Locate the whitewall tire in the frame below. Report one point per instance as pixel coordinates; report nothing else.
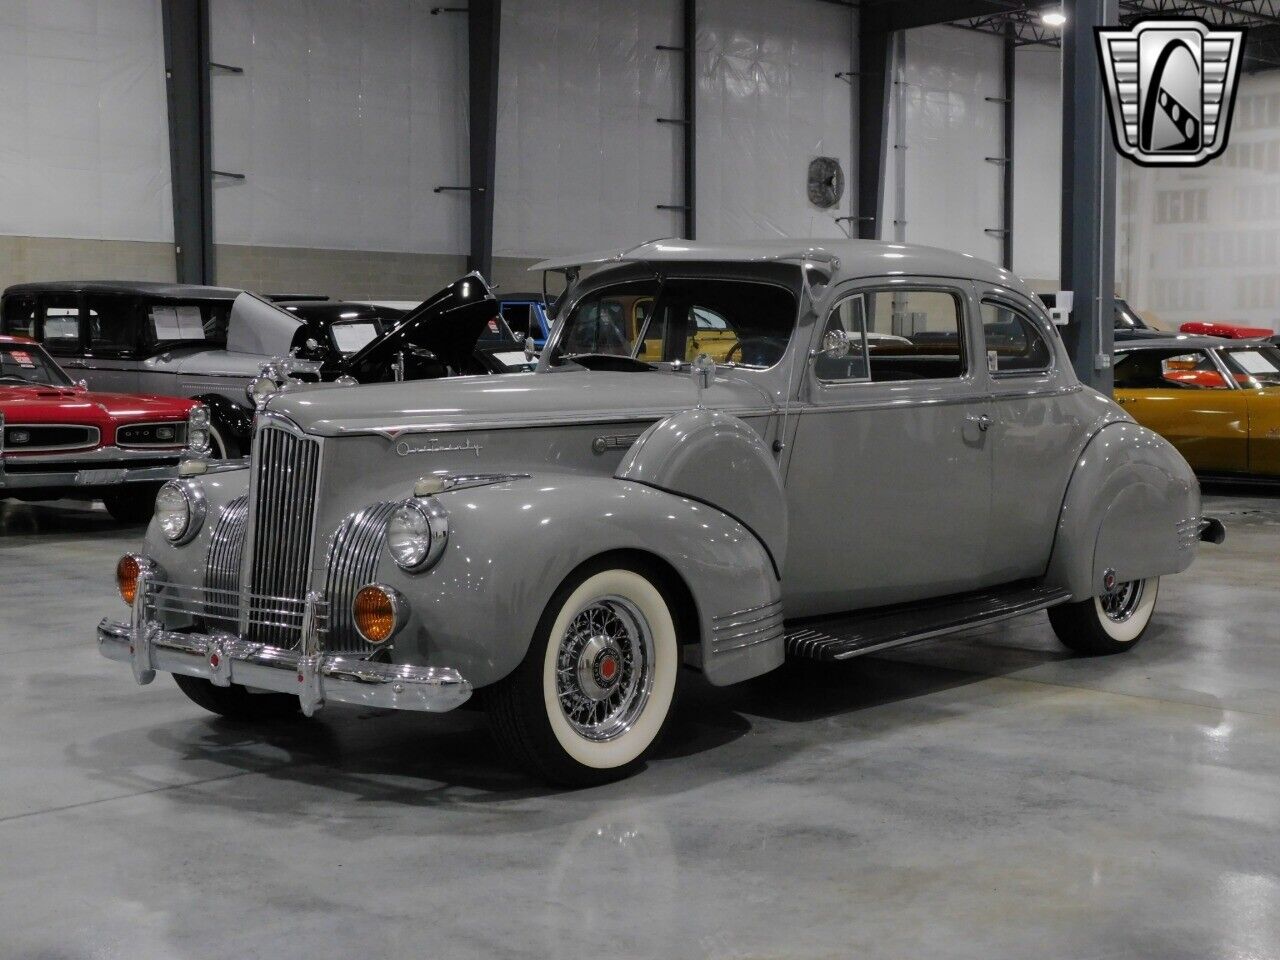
(1110, 623)
(596, 689)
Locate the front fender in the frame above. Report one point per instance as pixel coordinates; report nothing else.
(716, 458)
(1132, 506)
(511, 546)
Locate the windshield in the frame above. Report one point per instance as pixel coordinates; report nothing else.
(737, 322)
(1255, 366)
(27, 363)
(1126, 319)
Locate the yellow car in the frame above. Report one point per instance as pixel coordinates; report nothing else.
(1217, 401)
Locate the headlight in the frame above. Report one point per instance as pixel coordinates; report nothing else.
(260, 390)
(379, 612)
(198, 430)
(417, 533)
(180, 510)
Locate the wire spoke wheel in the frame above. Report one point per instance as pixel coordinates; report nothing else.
(1120, 603)
(604, 668)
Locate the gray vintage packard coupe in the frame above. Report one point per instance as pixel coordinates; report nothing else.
(727, 455)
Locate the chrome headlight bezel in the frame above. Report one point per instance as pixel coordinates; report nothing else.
(188, 518)
(417, 533)
(199, 430)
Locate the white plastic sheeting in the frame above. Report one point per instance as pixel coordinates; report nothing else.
(85, 150)
(582, 161)
(1037, 165)
(768, 103)
(345, 119)
(952, 193)
(1204, 244)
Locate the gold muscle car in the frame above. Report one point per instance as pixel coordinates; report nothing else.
(1217, 401)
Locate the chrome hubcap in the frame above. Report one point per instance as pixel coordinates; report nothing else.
(1121, 602)
(604, 668)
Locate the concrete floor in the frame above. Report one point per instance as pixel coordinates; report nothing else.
(988, 796)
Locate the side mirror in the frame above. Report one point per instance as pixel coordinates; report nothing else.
(530, 349)
(82, 386)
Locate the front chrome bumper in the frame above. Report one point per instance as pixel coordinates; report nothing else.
(307, 672)
(101, 467)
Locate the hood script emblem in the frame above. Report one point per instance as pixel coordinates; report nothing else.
(407, 448)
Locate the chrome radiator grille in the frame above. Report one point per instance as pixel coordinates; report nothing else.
(287, 468)
(222, 568)
(352, 563)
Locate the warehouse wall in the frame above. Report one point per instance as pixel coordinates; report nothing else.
(1205, 243)
(84, 159)
(951, 193)
(346, 118)
(768, 103)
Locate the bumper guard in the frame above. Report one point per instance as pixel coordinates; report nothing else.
(308, 673)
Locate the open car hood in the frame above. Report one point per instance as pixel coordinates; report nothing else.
(448, 324)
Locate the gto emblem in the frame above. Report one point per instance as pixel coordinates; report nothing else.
(407, 447)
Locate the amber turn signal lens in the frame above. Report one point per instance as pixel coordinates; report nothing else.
(376, 613)
(127, 578)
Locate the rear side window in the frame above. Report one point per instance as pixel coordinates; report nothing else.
(113, 324)
(1168, 370)
(1015, 345)
(915, 334)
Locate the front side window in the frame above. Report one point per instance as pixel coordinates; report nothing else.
(737, 322)
(915, 334)
(1014, 342)
(60, 322)
(1168, 370)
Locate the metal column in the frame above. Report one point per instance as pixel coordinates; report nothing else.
(186, 66)
(874, 87)
(689, 91)
(1088, 195)
(484, 19)
(1010, 75)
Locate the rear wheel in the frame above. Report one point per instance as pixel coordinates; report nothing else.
(595, 690)
(1110, 623)
(235, 702)
(134, 504)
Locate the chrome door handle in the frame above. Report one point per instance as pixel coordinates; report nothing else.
(981, 419)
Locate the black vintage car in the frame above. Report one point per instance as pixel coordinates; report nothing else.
(210, 343)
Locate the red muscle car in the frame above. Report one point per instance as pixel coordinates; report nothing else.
(57, 439)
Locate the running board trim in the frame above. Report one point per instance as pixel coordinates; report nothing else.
(857, 634)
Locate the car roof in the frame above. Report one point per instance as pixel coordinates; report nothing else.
(127, 287)
(847, 258)
(1173, 341)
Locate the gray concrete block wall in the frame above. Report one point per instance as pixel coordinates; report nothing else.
(351, 274)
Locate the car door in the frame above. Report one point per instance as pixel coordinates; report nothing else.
(1037, 431)
(1255, 368)
(1181, 393)
(889, 478)
(113, 332)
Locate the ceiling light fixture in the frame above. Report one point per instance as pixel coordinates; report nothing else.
(1053, 18)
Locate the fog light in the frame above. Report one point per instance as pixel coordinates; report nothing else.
(379, 612)
(127, 571)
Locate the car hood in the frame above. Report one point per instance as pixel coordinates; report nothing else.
(512, 400)
(38, 404)
(448, 324)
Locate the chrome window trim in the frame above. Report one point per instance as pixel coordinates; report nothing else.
(1010, 304)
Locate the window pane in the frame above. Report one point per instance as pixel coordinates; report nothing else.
(1167, 370)
(609, 321)
(113, 324)
(517, 317)
(847, 317)
(61, 317)
(1014, 344)
(914, 335)
(20, 316)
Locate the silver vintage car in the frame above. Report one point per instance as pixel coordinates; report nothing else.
(728, 455)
